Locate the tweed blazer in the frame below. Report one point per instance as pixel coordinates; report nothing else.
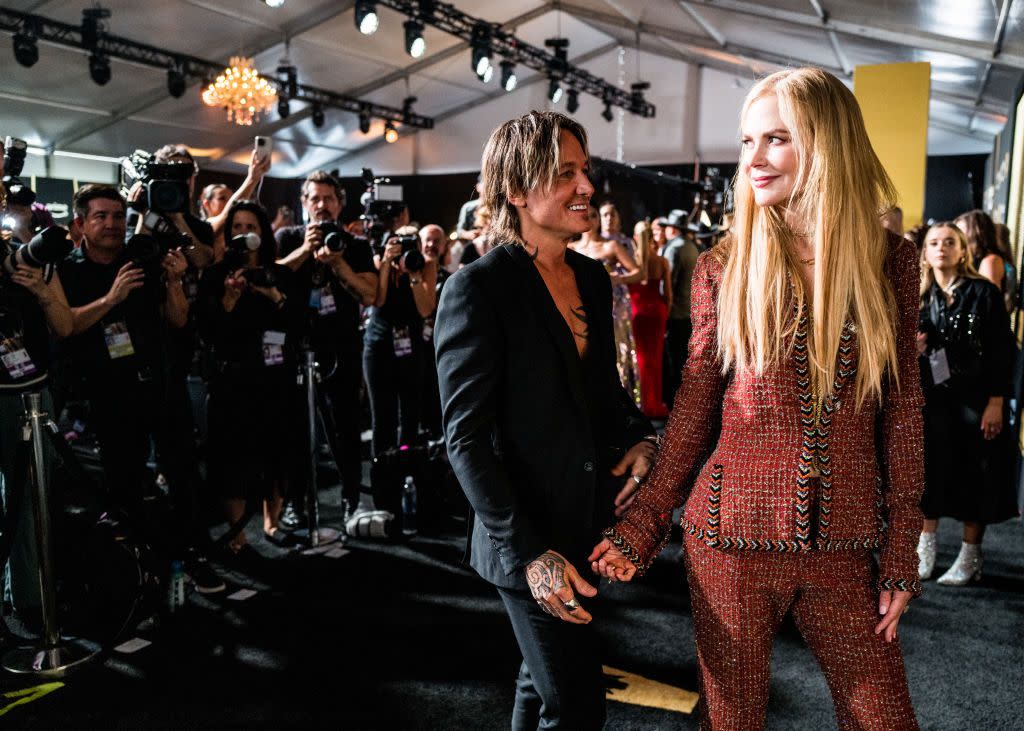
(756, 491)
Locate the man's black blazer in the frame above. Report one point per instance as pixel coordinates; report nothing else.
(531, 437)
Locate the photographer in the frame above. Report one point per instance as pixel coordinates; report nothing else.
(434, 245)
(251, 327)
(32, 309)
(332, 284)
(218, 198)
(394, 345)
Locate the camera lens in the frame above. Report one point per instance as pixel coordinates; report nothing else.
(413, 261)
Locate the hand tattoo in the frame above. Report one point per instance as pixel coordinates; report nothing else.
(580, 313)
(546, 575)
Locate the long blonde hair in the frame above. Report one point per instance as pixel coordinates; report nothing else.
(840, 192)
(643, 236)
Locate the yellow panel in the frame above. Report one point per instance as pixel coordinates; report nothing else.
(894, 100)
(1015, 215)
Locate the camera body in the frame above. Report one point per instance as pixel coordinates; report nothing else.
(166, 185)
(45, 250)
(411, 257)
(382, 203)
(335, 238)
(238, 247)
(18, 193)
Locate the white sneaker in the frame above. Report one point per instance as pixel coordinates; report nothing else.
(926, 548)
(966, 568)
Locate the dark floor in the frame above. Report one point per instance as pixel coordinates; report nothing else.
(400, 636)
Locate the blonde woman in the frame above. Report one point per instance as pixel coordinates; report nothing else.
(967, 357)
(804, 325)
(651, 299)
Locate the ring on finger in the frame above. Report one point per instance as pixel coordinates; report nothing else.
(571, 606)
(637, 479)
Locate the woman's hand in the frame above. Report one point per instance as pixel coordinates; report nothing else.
(922, 343)
(391, 252)
(992, 418)
(235, 284)
(891, 605)
(175, 265)
(608, 561)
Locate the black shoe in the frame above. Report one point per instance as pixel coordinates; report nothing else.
(202, 575)
(291, 518)
(280, 539)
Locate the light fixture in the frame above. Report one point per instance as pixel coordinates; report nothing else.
(407, 108)
(318, 115)
(607, 113)
(274, 3)
(481, 43)
(99, 67)
(508, 75)
(283, 107)
(414, 43)
(487, 75)
(242, 92)
(554, 91)
(26, 44)
(176, 80)
(390, 133)
(364, 122)
(366, 17)
(572, 104)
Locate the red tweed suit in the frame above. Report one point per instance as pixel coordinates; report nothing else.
(784, 512)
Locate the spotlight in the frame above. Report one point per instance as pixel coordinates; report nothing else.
(366, 17)
(26, 45)
(390, 133)
(274, 3)
(481, 59)
(607, 113)
(414, 43)
(554, 91)
(488, 75)
(283, 108)
(364, 122)
(99, 68)
(176, 80)
(288, 78)
(508, 75)
(318, 114)
(573, 102)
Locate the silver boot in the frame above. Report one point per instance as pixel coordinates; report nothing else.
(966, 568)
(926, 547)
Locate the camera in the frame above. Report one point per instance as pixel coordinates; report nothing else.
(260, 277)
(336, 239)
(382, 203)
(235, 257)
(166, 185)
(411, 258)
(149, 249)
(46, 248)
(18, 193)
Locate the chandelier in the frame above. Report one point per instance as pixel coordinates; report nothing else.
(242, 92)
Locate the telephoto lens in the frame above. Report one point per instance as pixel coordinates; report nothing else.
(335, 239)
(48, 246)
(412, 259)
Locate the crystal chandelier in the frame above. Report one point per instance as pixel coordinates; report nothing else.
(241, 91)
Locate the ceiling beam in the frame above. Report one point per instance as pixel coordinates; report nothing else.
(307, 21)
(833, 39)
(956, 129)
(904, 37)
(716, 35)
(268, 130)
(474, 104)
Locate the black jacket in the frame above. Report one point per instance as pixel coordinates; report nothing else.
(532, 429)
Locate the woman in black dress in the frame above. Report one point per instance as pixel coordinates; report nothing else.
(966, 359)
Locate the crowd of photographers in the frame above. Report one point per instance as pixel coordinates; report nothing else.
(118, 311)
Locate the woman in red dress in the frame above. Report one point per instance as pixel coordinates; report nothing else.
(651, 299)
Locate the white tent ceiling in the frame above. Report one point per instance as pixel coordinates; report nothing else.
(700, 56)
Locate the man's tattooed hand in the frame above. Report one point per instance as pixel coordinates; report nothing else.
(552, 580)
(546, 575)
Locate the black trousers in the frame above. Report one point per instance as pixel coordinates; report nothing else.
(395, 386)
(342, 389)
(677, 341)
(561, 682)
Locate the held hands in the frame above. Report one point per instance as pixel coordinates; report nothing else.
(129, 277)
(891, 605)
(636, 463)
(552, 579)
(608, 561)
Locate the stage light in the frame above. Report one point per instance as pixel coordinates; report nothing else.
(572, 104)
(508, 75)
(607, 113)
(364, 122)
(176, 80)
(26, 46)
(390, 133)
(481, 59)
(554, 91)
(274, 3)
(283, 108)
(414, 43)
(366, 17)
(99, 68)
(318, 115)
(488, 75)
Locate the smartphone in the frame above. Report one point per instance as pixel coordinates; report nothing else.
(264, 146)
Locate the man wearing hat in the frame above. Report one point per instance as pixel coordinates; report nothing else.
(682, 258)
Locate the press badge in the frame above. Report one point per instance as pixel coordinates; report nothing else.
(428, 332)
(940, 366)
(119, 342)
(273, 347)
(15, 358)
(322, 300)
(403, 342)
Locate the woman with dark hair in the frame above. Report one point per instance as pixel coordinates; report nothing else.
(251, 327)
(966, 352)
(986, 258)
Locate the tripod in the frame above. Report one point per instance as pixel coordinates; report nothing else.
(52, 655)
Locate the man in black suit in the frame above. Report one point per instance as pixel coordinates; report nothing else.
(540, 432)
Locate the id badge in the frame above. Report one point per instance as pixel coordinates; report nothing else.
(428, 332)
(273, 347)
(119, 341)
(322, 300)
(403, 342)
(15, 358)
(940, 366)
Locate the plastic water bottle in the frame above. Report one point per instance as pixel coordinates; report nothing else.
(409, 507)
(176, 587)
